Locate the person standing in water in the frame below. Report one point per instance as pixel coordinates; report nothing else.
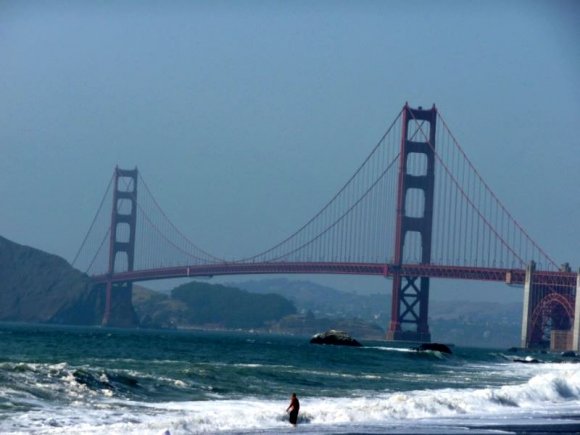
(293, 408)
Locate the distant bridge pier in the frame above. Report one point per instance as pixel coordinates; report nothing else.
(576, 330)
(410, 295)
(118, 309)
(527, 305)
(551, 312)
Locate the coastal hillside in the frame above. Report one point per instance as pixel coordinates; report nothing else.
(39, 287)
(324, 301)
(198, 304)
(214, 306)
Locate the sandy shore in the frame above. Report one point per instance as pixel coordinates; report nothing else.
(572, 427)
(557, 428)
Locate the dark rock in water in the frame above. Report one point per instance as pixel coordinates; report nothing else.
(339, 338)
(439, 347)
(569, 353)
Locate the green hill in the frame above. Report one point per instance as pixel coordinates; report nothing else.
(206, 305)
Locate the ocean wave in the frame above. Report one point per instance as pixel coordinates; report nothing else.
(552, 391)
(36, 385)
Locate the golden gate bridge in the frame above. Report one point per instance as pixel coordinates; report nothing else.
(415, 209)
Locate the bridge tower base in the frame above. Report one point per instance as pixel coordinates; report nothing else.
(118, 309)
(410, 298)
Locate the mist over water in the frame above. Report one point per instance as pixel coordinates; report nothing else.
(92, 380)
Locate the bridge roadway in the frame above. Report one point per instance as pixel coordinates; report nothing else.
(509, 276)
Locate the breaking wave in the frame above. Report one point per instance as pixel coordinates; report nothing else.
(92, 407)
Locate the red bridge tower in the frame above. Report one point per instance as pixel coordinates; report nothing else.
(118, 297)
(410, 299)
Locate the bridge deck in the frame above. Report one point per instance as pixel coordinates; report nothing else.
(509, 276)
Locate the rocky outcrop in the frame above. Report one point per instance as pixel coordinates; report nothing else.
(334, 337)
(308, 325)
(569, 354)
(438, 347)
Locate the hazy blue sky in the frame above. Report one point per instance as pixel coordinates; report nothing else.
(244, 118)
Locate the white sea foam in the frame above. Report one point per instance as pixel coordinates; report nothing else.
(554, 389)
(392, 349)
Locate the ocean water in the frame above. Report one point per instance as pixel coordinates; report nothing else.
(56, 380)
